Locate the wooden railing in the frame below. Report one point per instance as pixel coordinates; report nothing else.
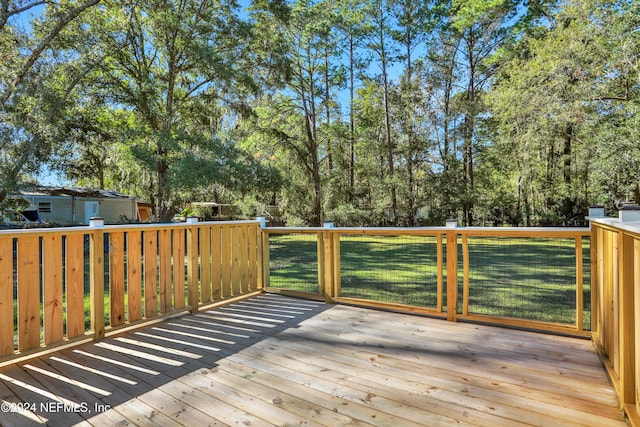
(522, 277)
(616, 307)
(63, 285)
(69, 285)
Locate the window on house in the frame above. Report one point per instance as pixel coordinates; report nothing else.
(44, 207)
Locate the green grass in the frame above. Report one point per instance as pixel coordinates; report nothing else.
(293, 262)
(524, 278)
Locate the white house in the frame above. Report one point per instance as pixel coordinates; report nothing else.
(75, 206)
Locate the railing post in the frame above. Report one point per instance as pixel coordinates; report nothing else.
(262, 243)
(96, 276)
(326, 262)
(263, 259)
(579, 286)
(452, 275)
(626, 298)
(192, 263)
(6, 296)
(323, 289)
(595, 211)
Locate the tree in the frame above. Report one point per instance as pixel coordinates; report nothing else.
(32, 90)
(414, 24)
(377, 40)
(179, 67)
(483, 28)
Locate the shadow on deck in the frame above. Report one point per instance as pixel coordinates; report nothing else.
(274, 360)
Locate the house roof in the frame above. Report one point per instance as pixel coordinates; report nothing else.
(73, 192)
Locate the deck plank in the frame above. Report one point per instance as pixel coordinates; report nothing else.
(275, 360)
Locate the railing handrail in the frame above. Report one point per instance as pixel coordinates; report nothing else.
(443, 229)
(13, 232)
(631, 227)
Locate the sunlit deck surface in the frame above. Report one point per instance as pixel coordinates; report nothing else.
(274, 360)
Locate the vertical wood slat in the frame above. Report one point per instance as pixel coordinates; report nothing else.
(205, 264)
(75, 285)
(603, 289)
(216, 289)
(165, 252)
(116, 278)
(178, 268)
(253, 256)
(134, 275)
(594, 274)
(96, 280)
(150, 274)
(192, 267)
(28, 293)
(225, 260)
(452, 276)
(244, 258)
(337, 284)
(235, 261)
(615, 296)
(626, 320)
(636, 308)
(579, 285)
(52, 288)
(6, 296)
(440, 273)
(465, 274)
(263, 260)
(326, 262)
(323, 288)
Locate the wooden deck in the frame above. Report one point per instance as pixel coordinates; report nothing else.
(273, 360)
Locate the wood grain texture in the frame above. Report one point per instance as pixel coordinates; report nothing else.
(216, 289)
(6, 296)
(165, 253)
(74, 280)
(52, 288)
(28, 264)
(274, 360)
(116, 278)
(179, 268)
(150, 274)
(134, 276)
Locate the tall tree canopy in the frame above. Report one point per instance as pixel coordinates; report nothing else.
(363, 112)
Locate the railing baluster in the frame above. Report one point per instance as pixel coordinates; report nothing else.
(165, 253)
(465, 274)
(440, 273)
(178, 268)
(134, 275)
(74, 260)
(52, 288)
(205, 264)
(216, 289)
(192, 267)
(150, 273)
(6, 296)
(116, 278)
(452, 276)
(96, 277)
(579, 285)
(236, 257)
(225, 264)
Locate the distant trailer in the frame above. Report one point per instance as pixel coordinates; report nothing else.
(75, 206)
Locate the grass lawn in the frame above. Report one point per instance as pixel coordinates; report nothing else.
(528, 278)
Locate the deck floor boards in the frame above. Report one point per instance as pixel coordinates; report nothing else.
(275, 360)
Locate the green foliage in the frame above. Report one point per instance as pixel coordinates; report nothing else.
(362, 112)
